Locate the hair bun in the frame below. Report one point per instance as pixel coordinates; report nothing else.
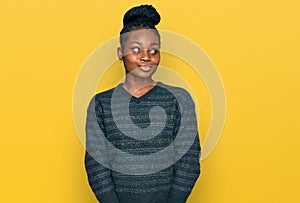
(141, 13)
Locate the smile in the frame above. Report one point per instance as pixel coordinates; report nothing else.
(145, 68)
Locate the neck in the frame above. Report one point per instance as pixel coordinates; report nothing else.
(138, 87)
(136, 84)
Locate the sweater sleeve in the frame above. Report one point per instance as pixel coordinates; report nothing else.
(99, 177)
(187, 168)
(187, 171)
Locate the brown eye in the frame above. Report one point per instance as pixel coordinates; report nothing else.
(136, 50)
(153, 51)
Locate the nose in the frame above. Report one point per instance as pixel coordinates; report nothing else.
(145, 56)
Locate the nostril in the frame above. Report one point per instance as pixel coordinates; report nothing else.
(145, 58)
(145, 55)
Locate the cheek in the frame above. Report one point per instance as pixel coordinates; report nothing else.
(156, 59)
(129, 62)
(131, 58)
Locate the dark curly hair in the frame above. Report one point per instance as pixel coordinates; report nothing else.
(140, 17)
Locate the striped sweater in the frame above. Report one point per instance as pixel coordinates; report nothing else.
(115, 177)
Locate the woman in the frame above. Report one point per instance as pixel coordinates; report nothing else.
(118, 178)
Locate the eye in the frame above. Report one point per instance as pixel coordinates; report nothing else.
(136, 50)
(153, 51)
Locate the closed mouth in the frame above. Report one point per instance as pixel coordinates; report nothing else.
(145, 67)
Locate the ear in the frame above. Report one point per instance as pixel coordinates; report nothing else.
(120, 53)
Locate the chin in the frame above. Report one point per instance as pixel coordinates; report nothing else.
(142, 76)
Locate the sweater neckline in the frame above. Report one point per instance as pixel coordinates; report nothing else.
(144, 95)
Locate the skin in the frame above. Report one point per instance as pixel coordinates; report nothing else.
(140, 55)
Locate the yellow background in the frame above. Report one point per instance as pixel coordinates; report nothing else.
(254, 44)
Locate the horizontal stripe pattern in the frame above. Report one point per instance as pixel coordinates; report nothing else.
(175, 181)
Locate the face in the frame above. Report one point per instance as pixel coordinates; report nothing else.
(140, 53)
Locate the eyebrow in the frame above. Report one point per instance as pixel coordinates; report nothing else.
(140, 43)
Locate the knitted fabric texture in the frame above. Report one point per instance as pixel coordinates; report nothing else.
(170, 185)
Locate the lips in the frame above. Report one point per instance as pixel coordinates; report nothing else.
(145, 68)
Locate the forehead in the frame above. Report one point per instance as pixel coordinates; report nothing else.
(143, 36)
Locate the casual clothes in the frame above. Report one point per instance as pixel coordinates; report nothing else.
(172, 184)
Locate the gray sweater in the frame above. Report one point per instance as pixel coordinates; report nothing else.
(113, 170)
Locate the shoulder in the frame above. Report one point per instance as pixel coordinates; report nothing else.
(101, 98)
(105, 94)
(178, 92)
